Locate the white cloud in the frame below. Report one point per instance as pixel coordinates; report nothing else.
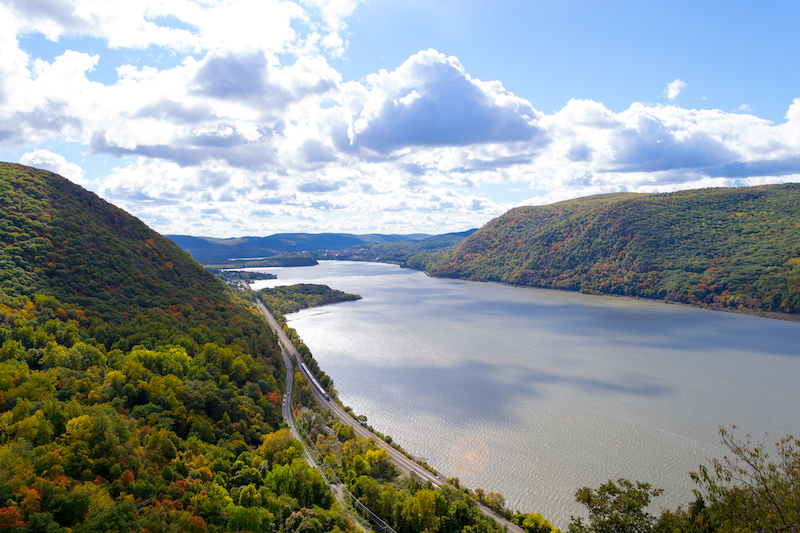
(430, 101)
(675, 88)
(333, 13)
(47, 160)
(255, 132)
(13, 61)
(121, 23)
(231, 24)
(247, 24)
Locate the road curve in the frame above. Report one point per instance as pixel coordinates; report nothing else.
(402, 462)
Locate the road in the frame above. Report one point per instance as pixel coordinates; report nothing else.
(403, 463)
(286, 409)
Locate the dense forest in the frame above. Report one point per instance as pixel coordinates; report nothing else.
(292, 298)
(62, 240)
(137, 392)
(724, 248)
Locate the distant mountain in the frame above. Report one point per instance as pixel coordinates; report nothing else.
(61, 240)
(397, 251)
(727, 248)
(210, 250)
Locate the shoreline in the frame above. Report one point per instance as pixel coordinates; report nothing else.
(772, 315)
(406, 463)
(599, 304)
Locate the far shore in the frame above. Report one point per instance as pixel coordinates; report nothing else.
(774, 315)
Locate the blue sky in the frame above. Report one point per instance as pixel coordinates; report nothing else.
(252, 117)
(613, 52)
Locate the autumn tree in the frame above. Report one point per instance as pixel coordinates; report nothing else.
(748, 489)
(615, 507)
(535, 523)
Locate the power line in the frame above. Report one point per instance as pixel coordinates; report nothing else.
(322, 466)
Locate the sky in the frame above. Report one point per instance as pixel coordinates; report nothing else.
(253, 117)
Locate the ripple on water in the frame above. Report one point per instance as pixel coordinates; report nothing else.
(566, 390)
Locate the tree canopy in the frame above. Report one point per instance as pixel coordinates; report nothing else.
(725, 248)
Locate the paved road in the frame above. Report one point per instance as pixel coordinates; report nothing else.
(286, 409)
(402, 462)
(405, 464)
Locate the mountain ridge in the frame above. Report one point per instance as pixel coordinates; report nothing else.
(213, 250)
(733, 248)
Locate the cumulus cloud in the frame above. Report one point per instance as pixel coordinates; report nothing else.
(229, 147)
(47, 160)
(757, 169)
(675, 88)
(175, 112)
(321, 186)
(579, 152)
(648, 143)
(35, 104)
(316, 152)
(232, 25)
(234, 76)
(431, 101)
(251, 130)
(37, 124)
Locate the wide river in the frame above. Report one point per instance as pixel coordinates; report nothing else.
(564, 390)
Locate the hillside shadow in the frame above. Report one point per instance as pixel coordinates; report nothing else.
(643, 323)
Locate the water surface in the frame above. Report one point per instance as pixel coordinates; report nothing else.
(565, 389)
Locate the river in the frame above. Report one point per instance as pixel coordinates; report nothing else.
(534, 393)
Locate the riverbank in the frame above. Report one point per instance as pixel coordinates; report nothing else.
(566, 391)
(775, 315)
(406, 465)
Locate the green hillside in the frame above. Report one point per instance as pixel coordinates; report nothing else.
(62, 240)
(136, 389)
(724, 248)
(138, 393)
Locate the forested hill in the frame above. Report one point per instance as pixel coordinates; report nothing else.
(61, 240)
(210, 250)
(138, 393)
(136, 390)
(396, 251)
(727, 248)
